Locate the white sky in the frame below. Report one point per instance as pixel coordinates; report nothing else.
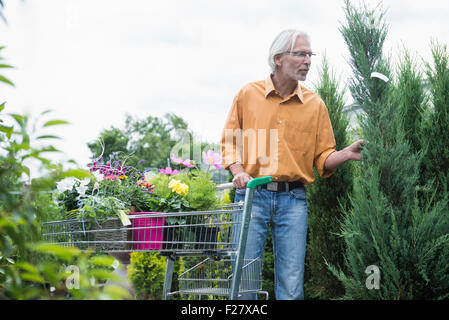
(93, 61)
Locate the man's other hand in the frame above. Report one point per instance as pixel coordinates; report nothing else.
(241, 180)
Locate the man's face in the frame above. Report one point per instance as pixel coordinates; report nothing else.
(294, 66)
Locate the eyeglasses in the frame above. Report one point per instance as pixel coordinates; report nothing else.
(301, 54)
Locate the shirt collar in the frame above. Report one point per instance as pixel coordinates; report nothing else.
(269, 87)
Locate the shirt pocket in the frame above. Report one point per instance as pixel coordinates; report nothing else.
(297, 137)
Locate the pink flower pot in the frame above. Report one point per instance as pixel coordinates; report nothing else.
(150, 232)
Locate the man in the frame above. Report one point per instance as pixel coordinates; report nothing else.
(296, 122)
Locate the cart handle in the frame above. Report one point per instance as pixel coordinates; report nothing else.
(253, 183)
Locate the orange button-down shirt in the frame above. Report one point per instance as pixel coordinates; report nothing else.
(273, 136)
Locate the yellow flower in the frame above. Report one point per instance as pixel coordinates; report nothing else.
(178, 187)
(173, 183)
(226, 197)
(182, 189)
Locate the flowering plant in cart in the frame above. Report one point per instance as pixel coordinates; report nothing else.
(111, 191)
(186, 187)
(81, 199)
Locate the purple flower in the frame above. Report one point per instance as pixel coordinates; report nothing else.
(188, 163)
(213, 158)
(176, 160)
(168, 171)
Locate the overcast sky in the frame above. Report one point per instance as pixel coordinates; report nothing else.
(93, 61)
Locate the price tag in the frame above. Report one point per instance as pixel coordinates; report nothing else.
(124, 218)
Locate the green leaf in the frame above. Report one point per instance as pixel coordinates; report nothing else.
(5, 66)
(26, 170)
(45, 112)
(48, 137)
(7, 130)
(5, 80)
(104, 274)
(77, 173)
(19, 118)
(116, 292)
(61, 252)
(48, 149)
(54, 123)
(104, 261)
(32, 277)
(27, 267)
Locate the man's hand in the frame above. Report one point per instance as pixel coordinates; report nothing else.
(354, 151)
(241, 178)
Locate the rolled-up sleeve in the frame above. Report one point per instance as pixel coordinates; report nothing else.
(325, 142)
(231, 137)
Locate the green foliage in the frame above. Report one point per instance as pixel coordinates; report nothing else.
(4, 66)
(170, 200)
(147, 272)
(89, 204)
(388, 225)
(112, 141)
(435, 165)
(364, 34)
(108, 191)
(149, 141)
(411, 99)
(29, 270)
(201, 193)
(38, 271)
(70, 274)
(326, 198)
(268, 268)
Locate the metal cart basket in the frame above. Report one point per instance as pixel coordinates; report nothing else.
(211, 277)
(218, 235)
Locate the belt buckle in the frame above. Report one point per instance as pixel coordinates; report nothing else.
(272, 186)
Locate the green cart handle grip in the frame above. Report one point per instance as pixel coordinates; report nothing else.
(253, 183)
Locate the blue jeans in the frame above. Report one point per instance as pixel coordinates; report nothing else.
(286, 212)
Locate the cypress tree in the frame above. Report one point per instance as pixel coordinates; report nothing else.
(435, 165)
(396, 246)
(327, 197)
(411, 100)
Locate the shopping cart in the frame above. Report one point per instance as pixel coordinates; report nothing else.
(217, 235)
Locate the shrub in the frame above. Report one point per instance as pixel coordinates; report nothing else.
(146, 273)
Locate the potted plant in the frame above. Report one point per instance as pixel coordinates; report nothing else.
(171, 194)
(92, 213)
(183, 190)
(95, 203)
(133, 188)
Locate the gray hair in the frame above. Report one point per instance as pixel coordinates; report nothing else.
(285, 41)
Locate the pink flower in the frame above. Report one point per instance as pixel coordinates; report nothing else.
(168, 171)
(213, 158)
(187, 163)
(176, 160)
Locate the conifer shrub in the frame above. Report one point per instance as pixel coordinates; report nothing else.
(146, 273)
(326, 198)
(396, 243)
